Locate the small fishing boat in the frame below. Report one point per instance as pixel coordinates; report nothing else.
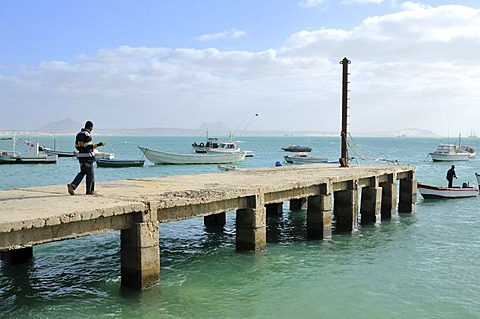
(159, 157)
(429, 192)
(33, 155)
(449, 152)
(297, 148)
(304, 158)
(119, 163)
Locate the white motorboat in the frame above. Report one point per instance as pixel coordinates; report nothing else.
(429, 192)
(159, 157)
(229, 147)
(226, 147)
(33, 156)
(449, 152)
(304, 158)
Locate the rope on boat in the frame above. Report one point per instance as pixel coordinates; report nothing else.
(355, 146)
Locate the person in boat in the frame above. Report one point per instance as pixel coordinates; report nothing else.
(451, 175)
(86, 158)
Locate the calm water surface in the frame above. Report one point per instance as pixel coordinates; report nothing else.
(423, 265)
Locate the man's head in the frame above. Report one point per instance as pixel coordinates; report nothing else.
(89, 125)
(453, 166)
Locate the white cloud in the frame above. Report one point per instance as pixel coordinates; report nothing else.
(232, 33)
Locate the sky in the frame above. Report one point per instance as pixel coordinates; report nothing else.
(181, 63)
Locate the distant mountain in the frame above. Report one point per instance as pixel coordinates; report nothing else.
(65, 126)
(218, 129)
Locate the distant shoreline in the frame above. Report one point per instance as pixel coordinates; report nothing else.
(199, 133)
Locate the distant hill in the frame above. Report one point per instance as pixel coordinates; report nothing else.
(65, 126)
(68, 126)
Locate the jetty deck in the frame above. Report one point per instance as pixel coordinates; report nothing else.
(37, 215)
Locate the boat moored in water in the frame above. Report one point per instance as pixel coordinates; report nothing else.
(33, 156)
(297, 148)
(119, 163)
(304, 158)
(430, 192)
(159, 157)
(449, 152)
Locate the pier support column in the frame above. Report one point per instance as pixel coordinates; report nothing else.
(389, 200)
(346, 210)
(275, 209)
(408, 196)
(371, 204)
(319, 217)
(140, 255)
(251, 225)
(298, 204)
(215, 220)
(17, 256)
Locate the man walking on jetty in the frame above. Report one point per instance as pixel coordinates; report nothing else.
(86, 158)
(450, 175)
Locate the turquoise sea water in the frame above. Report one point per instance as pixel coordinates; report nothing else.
(423, 265)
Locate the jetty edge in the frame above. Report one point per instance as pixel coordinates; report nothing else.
(37, 215)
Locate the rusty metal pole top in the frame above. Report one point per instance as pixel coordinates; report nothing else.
(345, 61)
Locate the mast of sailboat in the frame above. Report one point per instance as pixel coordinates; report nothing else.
(246, 126)
(344, 155)
(14, 139)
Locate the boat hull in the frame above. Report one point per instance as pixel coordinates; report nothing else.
(297, 148)
(159, 157)
(449, 157)
(61, 153)
(305, 159)
(431, 192)
(119, 163)
(47, 159)
(450, 152)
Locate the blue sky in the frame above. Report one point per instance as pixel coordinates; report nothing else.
(131, 64)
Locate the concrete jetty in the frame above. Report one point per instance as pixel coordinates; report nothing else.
(37, 215)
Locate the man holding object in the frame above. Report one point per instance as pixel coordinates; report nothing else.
(86, 158)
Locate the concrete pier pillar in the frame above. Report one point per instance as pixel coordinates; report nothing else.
(215, 220)
(319, 217)
(251, 224)
(140, 255)
(345, 205)
(17, 256)
(408, 196)
(275, 209)
(371, 204)
(389, 200)
(298, 204)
